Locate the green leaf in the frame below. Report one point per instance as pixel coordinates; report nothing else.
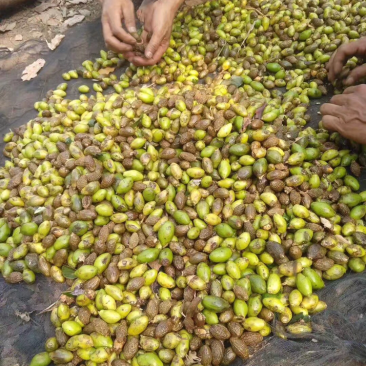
(68, 272)
(298, 317)
(68, 293)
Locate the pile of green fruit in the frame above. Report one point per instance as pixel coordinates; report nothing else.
(186, 218)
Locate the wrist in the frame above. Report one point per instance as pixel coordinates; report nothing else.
(175, 4)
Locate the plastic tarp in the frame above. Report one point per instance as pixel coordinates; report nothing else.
(339, 337)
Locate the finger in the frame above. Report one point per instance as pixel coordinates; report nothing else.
(351, 89)
(115, 23)
(342, 54)
(331, 123)
(160, 52)
(142, 61)
(327, 66)
(129, 17)
(112, 42)
(341, 99)
(129, 55)
(144, 37)
(331, 110)
(355, 75)
(155, 42)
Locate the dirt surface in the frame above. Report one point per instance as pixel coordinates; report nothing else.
(42, 20)
(24, 323)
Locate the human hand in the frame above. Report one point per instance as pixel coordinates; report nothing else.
(346, 114)
(340, 57)
(158, 22)
(113, 14)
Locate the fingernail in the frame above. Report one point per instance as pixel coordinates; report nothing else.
(149, 54)
(132, 29)
(349, 81)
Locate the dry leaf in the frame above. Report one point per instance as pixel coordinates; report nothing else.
(24, 316)
(55, 41)
(106, 71)
(327, 224)
(7, 27)
(84, 12)
(51, 17)
(18, 37)
(32, 70)
(74, 20)
(44, 6)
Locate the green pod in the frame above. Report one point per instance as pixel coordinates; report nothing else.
(304, 285)
(215, 304)
(274, 284)
(220, 255)
(351, 182)
(257, 284)
(166, 233)
(204, 272)
(28, 229)
(351, 199)
(323, 209)
(138, 325)
(102, 262)
(202, 209)
(61, 356)
(115, 292)
(181, 217)
(166, 256)
(71, 328)
(86, 272)
(51, 344)
(356, 265)
(233, 270)
(29, 276)
(148, 255)
(295, 298)
(79, 227)
(5, 249)
(211, 317)
(280, 223)
(110, 316)
(274, 157)
(334, 273)
(254, 324)
(316, 281)
(42, 359)
(260, 167)
(274, 304)
(165, 280)
(124, 185)
(225, 231)
(273, 67)
(240, 308)
(149, 359)
(358, 212)
(303, 236)
(254, 305)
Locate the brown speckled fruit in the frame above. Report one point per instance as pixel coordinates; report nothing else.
(239, 348)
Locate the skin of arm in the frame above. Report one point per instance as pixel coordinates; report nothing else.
(158, 22)
(157, 30)
(346, 112)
